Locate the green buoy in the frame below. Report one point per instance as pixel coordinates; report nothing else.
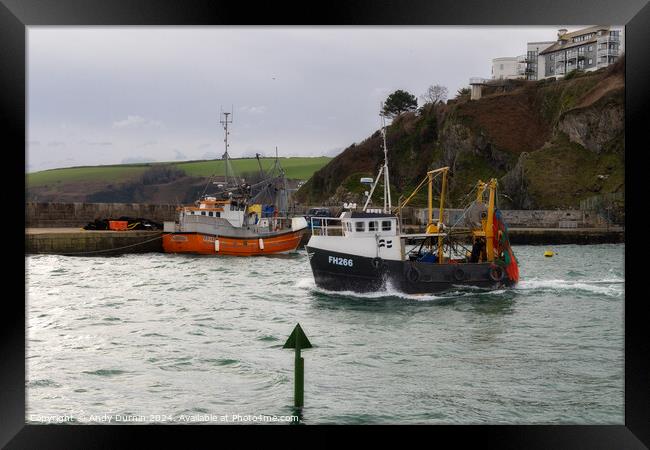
(298, 340)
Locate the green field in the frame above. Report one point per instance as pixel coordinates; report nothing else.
(299, 168)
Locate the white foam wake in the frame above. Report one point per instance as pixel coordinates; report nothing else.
(608, 287)
(391, 292)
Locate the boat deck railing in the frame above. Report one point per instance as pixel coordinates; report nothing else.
(326, 226)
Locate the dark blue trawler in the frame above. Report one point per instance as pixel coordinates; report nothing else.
(366, 252)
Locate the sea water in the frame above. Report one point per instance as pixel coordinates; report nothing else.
(161, 338)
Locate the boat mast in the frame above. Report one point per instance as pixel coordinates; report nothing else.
(431, 228)
(225, 121)
(489, 224)
(388, 206)
(387, 200)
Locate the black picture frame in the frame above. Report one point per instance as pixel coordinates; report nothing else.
(16, 15)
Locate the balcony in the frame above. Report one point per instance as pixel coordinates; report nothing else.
(608, 38)
(478, 80)
(605, 60)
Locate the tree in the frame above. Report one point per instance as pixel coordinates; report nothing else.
(463, 92)
(399, 102)
(435, 94)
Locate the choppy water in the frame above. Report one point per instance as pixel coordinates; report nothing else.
(199, 337)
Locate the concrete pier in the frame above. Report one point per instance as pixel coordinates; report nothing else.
(80, 242)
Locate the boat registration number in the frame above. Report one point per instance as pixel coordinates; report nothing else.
(340, 261)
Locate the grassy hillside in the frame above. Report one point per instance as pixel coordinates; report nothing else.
(299, 168)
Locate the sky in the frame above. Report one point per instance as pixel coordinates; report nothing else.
(111, 95)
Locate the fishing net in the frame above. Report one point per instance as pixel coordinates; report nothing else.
(503, 249)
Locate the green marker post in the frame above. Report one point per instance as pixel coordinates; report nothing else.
(298, 340)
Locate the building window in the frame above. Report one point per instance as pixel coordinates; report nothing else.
(203, 213)
(591, 61)
(210, 214)
(372, 225)
(360, 226)
(386, 225)
(500, 66)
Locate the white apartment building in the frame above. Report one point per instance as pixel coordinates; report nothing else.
(586, 49)
(508, 68)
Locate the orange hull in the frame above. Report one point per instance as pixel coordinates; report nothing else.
(204, 244)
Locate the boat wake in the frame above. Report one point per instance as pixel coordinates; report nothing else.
(610, 287)
(391, 293)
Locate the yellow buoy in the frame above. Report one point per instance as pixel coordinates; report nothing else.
(548, 253)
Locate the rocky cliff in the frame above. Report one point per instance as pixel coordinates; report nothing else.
(551, 144)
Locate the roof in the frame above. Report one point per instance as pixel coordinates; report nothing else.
(367, 215)
(569, 36)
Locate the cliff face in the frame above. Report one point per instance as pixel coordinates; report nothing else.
(550, 144)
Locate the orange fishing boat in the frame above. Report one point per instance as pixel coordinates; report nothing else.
(229, 227)
(240, 219)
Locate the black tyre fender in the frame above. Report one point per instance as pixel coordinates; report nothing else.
(459, 274)
(413, 274)
(496, 273)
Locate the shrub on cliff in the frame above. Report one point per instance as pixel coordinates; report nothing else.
(160, 174)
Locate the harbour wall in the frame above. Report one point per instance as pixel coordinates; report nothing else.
(76, 242)
(54, 215)
(55, 227)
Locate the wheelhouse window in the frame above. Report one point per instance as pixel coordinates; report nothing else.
(359, 227)
(203, 213)
(386, 225)
(372, 225)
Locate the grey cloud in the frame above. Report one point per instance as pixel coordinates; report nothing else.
(149, 96)
(135, 122)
